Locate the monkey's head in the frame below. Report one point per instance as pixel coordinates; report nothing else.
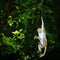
(39, 30)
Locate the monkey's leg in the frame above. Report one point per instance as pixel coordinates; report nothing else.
(40, 47)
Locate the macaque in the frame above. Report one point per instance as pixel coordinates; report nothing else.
(42, 38)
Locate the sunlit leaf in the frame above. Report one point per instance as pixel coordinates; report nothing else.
(35, 37)
(10, 22)
(20, 30)
(17, 7)
(16, 32)
(9, 16)
(22, 36)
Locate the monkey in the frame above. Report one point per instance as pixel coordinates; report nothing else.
(42, 38)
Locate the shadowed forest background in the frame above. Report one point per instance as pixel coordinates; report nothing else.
(19, 20)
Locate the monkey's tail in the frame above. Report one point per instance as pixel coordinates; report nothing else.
(44, 52)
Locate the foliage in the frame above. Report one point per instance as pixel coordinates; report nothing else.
(19, 33)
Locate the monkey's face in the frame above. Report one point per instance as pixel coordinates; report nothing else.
(39, 30)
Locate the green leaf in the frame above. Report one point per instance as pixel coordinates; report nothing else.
(16, 32)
